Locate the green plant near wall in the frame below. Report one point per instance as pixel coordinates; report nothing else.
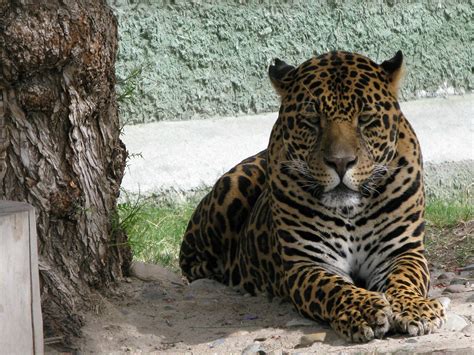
(128, 87)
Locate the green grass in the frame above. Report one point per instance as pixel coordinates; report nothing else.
(127, 87)
(155, 227)
(442, 213)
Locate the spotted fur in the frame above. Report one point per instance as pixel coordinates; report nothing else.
(331, 214)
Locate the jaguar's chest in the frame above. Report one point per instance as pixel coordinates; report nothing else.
(353, 251)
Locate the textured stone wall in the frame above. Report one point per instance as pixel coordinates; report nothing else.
(192, 59)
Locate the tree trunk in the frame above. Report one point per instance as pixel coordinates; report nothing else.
(60, 148)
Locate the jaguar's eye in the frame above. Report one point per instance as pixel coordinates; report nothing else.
(311, 122)
(309, 116)
(366, 118)
(308, 119)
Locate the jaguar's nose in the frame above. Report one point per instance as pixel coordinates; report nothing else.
(340, 164)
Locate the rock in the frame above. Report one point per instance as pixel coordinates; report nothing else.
(250, 317)
(457, 289)
(467, 274)
(310, 339)
(446, 276)
(252, 349)
(217, 342)
(454, 322)
(467, 268)
(151, 272)
(459, 281)
(468, 330)
(411, 340)
(445, 301)
(300, 322)
(470, 298)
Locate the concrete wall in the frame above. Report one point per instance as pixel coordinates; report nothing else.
(191, 59)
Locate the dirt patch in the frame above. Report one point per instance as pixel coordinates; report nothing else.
(164, 315)
(449, 248)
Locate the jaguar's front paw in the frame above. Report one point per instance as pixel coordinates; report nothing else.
(361, 315)
(416, 315)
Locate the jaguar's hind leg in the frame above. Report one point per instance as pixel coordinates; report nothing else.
(217, 221)
(200, 249)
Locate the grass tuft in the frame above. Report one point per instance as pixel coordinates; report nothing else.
(448, 213)
(155, 230)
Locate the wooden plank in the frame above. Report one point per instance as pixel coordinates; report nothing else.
(9, 207)
(35, 288)
(20, 312)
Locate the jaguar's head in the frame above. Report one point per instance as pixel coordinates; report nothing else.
(338, 125)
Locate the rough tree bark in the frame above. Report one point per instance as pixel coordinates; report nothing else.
(60, 148)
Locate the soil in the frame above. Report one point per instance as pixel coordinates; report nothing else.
(164, 315)
(450, 247)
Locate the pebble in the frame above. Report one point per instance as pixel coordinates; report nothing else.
(411, 340)
(310, 339)
(300, 322)
(250, 317)
(457, 289)
(253, 349)
(124, 311)
(467, 268)
(217, 342)
(446, 275)
(454, 322)
(458, 281)
(468, 330)
(467, 274)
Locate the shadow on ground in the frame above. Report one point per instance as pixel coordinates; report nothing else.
(164, 315)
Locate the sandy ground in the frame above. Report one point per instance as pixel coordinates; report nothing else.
(164, 315)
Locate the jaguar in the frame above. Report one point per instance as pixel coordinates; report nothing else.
(331, 215)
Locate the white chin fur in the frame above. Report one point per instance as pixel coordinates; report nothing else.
(337, 200)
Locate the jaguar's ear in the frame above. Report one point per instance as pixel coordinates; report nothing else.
(281, 74)
(394, 70)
